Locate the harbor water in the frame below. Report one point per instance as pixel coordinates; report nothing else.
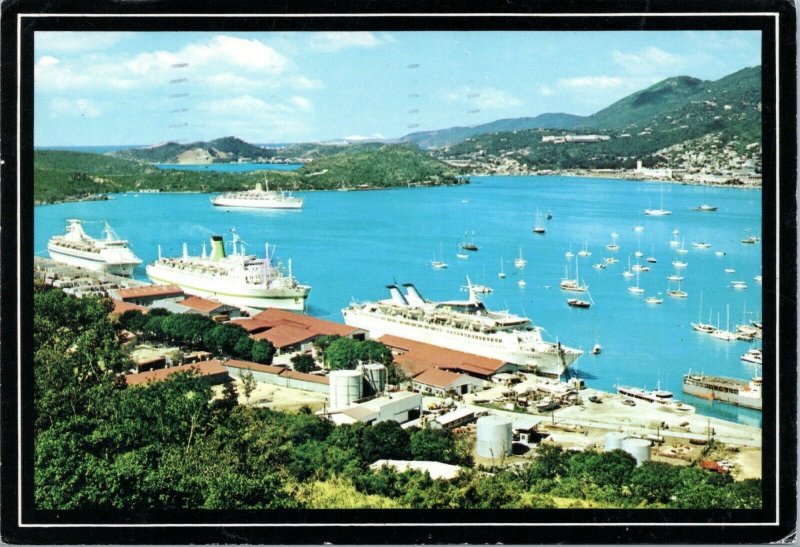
(350, 245)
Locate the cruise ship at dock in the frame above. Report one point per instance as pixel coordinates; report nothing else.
(237, 279)
(76, 248)
(464, 326)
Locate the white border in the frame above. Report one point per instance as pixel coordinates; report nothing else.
(776, 17)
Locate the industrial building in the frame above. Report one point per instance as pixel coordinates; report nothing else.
(398, 406)
(290, 332)
(278, 376)
(435, 381)
(147, 295)
(212, 370)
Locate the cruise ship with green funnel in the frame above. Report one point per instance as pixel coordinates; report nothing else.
(238, 279)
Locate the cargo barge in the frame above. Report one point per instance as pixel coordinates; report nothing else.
(729, 390)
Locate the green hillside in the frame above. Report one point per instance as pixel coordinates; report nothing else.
(379, 166)
(671, 112)
(453, 135)
(224, 150)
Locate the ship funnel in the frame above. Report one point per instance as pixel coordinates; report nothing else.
(259, 188)
(397, 296)
(217, 248)
(413, 296)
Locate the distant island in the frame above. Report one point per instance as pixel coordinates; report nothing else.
(681, 129)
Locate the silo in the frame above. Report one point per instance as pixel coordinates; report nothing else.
(493, 437)
(376, 376)
(613, 440)
(638, 448)
(345, 388)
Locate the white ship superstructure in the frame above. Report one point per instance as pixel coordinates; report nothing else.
(258, 198)
(110, 255)
(464, 326)
(239, 279)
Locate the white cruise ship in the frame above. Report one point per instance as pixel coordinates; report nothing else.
(464, 326)
(237, 280)
(258, 198)
(76, 248)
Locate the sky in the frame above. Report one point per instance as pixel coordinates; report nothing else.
(140, 88)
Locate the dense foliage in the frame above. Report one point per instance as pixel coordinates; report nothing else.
(195, 332)
(168, 445)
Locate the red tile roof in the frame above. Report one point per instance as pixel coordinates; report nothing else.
(306, 377)
(257, 367)
(252, 325)
(201, 304)
(319, 326)
(417, 356)
(120, 307)
(150, 291)
(437, 378)
(206, 368)
(287, 335)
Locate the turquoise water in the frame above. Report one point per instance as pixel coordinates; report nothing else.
(349, 245)
(232, 167)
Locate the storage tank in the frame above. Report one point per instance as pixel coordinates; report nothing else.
(613, 440)
(638, 448)
(376, 376)
(345, 388)
(493, 437)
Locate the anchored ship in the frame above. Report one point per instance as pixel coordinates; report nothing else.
(258, 198)
(657, 396)
(237, 280)
(730, 390)
(464, 325)
(110, 255)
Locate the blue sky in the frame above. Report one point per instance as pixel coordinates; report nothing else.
(117, 88)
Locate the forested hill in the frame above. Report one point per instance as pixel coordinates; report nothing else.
(223, 150)
(60, 175)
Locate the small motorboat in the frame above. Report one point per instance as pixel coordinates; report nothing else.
(576, 303)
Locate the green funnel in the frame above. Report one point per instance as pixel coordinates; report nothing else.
(217, 248)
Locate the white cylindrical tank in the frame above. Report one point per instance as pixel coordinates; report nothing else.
(345, 388)
(613, 440)
(638, 448)
(376, 376)
(493, 437)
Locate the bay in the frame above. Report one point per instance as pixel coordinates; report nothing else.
(349, 245)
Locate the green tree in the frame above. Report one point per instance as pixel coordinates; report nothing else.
(551, 461)
(433, 444)
(655, 481)
(243, 349)
(386, 440)
(342, 353)
(248, 384)
(303, 362)
(262, 352)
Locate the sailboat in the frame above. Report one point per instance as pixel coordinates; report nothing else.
(653, 300)
(438, 264)
(469, 245)
(569, 254)
(584, 251)
(574, 285)
(538, 227)
(613, 245)
(674, 242)
(683, 250)
(726, 334)
(502, 274)
(700, 326)
(677, 293)
(628, 272)
(658, 212)
(637, 289)
(520, 262)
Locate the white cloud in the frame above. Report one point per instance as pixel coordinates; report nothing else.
(545, 90)
(302, 104)
(337, 41)
(237, 52)
(592, 82)
(75, 108)
(487, 98)
(650, 60)
(77, 42)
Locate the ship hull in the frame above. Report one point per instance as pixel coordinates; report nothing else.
(94, 263)
(289, 203)
(497, 345)
(232, 293)
(727, 391)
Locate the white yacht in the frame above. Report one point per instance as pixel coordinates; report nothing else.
(753, 355)
(258, 198)
(520, 262)
(464, 325)
(76, 248)
(660, 212)
(238, 279)
(569, 284)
